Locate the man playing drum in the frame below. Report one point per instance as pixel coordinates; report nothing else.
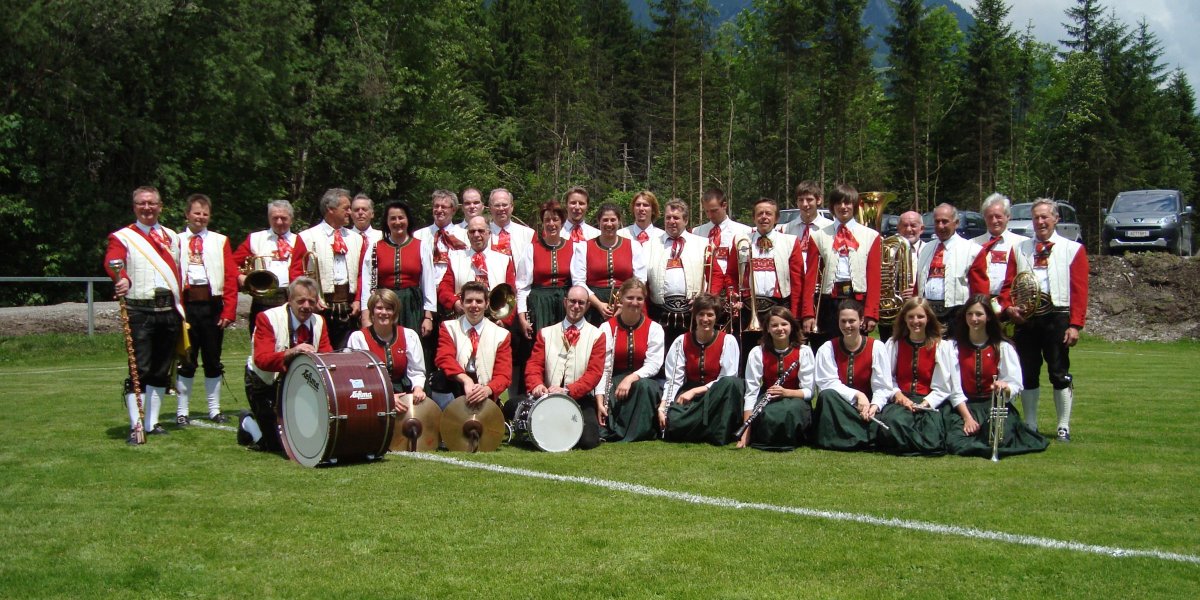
(282, 333)
(568, 358)
(474, 354)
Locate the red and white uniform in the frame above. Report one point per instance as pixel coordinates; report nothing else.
(586, 232)
(393, 267)
(511, 239)
(764, 368)
(403, 356)
(151, 256)
(690, 362)
(978, 367)
(851, 253)
(336, 268)
(1061, 270)
(639, 235)
(923, 370)
(779, 267)
(555, 362)
(492, 355)
(948, 272)
(866, 370)
(636, 349)
(999, 258)
(598, 267)
(804, 232)
(275, 333)
(546, 268)
(721, 237)
(436, 246)
(267, 243)
(214, 267)
(464, 267)
(675, 269)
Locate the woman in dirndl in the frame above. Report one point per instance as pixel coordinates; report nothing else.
(987, 363)
(855, 379)
(633, 356)
(394, 263)
(702, 401)
(603, 263)
(542, 285)
(781, 367)
(397, 346)
(922, 374)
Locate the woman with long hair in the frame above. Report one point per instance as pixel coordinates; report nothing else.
(603, 263)
(988, 363)
(703, 396)
(855, 380)
(922, 367)
(781, 367)
(633, 357)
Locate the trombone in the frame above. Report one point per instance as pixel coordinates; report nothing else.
(745, 261)
(997, 417)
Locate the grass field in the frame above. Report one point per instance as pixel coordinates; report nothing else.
(192, 514)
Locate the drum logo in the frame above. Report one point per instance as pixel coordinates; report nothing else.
(361, 395)
(312, 381)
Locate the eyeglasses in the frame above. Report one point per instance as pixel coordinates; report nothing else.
(574, 302)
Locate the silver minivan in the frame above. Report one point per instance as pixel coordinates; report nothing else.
(1021, 222)
(1148, 219)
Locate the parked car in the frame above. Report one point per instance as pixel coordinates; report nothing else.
(788, 215)
(891, 224)
(970, 224)
(1021, 222)
(1148, 219)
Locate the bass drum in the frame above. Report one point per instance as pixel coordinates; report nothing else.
(552, 423)
(336, 406)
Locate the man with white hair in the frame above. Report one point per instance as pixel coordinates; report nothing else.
(273, 248)
(339, 253)
(998, 251)
(362, 213)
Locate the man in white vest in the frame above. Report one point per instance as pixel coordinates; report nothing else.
(478, 262)
(149, 281)
(210, 305)
(474, 355)
(998, 255)
(568, 358)
(720, 231)
(362, 214)
(850, 255)
(438, 240)
(675, 269)
(268, 250)
(1060, 267)
(283, 333)
(947, 272)
(339, 253)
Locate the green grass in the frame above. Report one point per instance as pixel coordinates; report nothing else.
(192, 514)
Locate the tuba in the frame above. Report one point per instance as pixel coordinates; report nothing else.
(1028, 296)
(895, 268)
(502, 302)
(870, 208)
(260, 282)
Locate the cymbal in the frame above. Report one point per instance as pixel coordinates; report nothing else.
(428, 422)
(458, 419)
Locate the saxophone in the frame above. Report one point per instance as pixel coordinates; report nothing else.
(766, 399)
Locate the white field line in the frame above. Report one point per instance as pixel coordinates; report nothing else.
(925, 526)
(207, 425)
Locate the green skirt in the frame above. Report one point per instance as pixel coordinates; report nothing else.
(838, 425)
(783, 425)
(546, 306)
(1018, 437)
(712, 418)
(593, 316)
(412, 307)
(921, 433)
(633, 419)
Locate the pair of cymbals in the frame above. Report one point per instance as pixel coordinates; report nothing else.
(422, 422)
(472, 428)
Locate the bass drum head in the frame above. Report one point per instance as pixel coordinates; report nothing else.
(305, 411)
(555, 423)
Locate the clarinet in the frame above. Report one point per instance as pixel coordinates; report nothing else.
(761, 405)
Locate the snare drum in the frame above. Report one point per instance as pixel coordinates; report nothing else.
(336, 406)
(552, 423)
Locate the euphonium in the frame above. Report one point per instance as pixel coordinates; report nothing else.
(870, 208)
(895, 268)
(260, 282)
(997, 416)
(1028, 296)
(502, 301)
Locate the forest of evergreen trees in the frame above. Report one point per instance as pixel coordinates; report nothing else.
(250, 101)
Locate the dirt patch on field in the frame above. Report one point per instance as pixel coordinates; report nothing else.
(1145, 297)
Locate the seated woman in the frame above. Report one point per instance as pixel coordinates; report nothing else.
(780, 367)
(987, 361)
(855, 380)
(703, 396)
(397, 346)
(922, 367)
(634, 354)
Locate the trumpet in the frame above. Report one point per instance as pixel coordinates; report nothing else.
(997, 417)
(502, 302)
(260, 282)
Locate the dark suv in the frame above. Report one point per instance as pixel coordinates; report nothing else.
(970, 224)
(1148, 219)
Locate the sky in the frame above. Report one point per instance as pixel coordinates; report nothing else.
(1175, 22)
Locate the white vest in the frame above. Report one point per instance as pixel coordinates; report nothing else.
(214, 258)
(1058, 266)
(957, 257)
(693, 265)
(281, 325)
(316, 242)
(265, 243)
(464, 271)
(858, 258)
(143, 265)
(782, 245)
(566, 364)
(997, 271)
(489, 341)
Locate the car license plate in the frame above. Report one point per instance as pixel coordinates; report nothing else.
(1138, 234)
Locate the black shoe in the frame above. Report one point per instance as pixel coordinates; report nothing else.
(1064, 435)
(183, 420)
(132, 440)
(219, 418)
(157, 430)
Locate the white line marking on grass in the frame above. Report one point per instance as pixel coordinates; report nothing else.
(71, 370)
(928, 527)
(206, 425)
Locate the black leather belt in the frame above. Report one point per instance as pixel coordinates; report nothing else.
(163, 300)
